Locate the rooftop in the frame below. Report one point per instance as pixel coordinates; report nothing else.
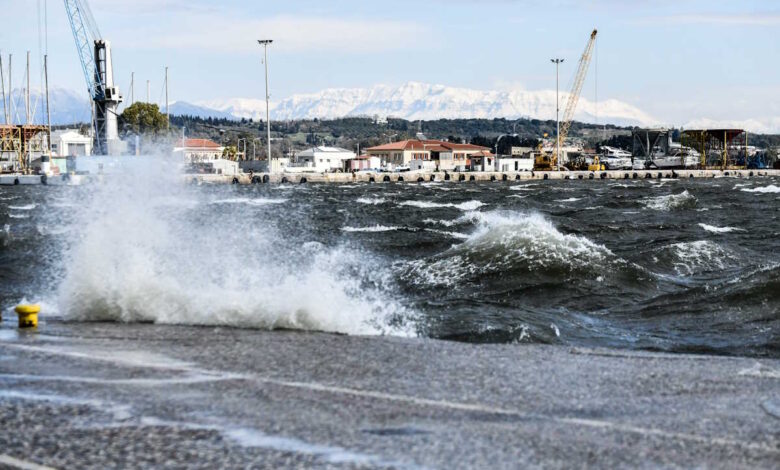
(432, 145)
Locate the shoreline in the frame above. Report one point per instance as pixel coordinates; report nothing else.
(465, 177)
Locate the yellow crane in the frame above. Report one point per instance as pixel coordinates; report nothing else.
(549, 161)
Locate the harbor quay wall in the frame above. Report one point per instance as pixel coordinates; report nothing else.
(418, 177)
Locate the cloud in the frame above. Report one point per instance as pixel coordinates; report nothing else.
(231, 34)
(755, 19)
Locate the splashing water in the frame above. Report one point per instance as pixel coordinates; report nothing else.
(153, 250)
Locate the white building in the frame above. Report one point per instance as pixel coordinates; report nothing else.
(323, 159)
(70, 142)
(198, 150)
(515, 163)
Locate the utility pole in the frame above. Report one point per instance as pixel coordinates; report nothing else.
(167, 114)
(148, 91)
(132, 88)
(557, 63)
(27, 92)
(265, 43)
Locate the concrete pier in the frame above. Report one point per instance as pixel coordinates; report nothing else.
(140, 396)
(455, 177)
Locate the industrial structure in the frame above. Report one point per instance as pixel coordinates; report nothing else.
(97, 65)
(546, 161)
(23, 145)
(719, 148)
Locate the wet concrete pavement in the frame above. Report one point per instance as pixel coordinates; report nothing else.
(139, 396)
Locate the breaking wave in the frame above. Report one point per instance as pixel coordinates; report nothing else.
(508, 242)
(689, 258)
(371, 229)
(464, 206)
(135, 260)
(684, 200)
(763, 189)
(371, 201)
(715, 229)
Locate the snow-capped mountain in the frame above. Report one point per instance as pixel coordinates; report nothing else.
(415, 100)
(67, 106)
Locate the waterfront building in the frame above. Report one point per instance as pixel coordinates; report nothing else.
(70, 143)
(483, 160)
(323, 159)
(199, 150)
(446, 155)
(363, 162)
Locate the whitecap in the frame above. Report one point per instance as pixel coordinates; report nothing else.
(671, 201)
(372, 201)
(571, 199)
(763, 189)
(714, 229)
(18, 216)
(464, 206)
(250, 201)
(371, 229)
(26, 207)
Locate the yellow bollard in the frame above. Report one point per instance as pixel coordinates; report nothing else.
(28, 315)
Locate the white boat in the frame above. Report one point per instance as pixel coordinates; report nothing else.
(615, 158)
(676, 157)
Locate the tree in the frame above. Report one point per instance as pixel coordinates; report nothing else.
(143, 119)
(230, 152)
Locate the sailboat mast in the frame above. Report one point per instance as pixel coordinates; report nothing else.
(2, 85)
(27, 92)
(48, 111)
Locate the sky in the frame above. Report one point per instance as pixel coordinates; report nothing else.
(678, 60)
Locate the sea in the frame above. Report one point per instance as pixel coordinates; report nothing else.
(676, 265)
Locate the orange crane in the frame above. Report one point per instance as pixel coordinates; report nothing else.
(549, 161)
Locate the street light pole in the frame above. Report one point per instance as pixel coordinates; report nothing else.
(265, 43)
(557, 63)
(499, 140)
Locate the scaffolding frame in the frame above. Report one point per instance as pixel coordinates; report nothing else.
(18, 143)
(724, 149)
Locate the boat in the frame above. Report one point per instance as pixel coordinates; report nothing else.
(677, 156)
(616, 159)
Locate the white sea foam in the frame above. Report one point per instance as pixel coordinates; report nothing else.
(26, 207)
(135, 260)
(458, 235)
(671, 202)
(464, 206)
(372, 201)
(714, 229)
(445, 223)
(571, 199)
(698, 256)
(370, 229)
(18, 216)
(249, 201)
(763, 189)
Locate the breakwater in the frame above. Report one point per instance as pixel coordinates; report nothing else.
(419, 177)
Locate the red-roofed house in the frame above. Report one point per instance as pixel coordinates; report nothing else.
(447, 155)
(199, 150)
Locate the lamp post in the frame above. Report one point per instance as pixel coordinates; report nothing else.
(499, 140)
(265, 43)
(557, 63)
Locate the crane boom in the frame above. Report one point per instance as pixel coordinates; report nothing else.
(84, 30)
(95, 56)
(576, 89)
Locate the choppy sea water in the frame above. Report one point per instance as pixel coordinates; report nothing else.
(672, 265)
